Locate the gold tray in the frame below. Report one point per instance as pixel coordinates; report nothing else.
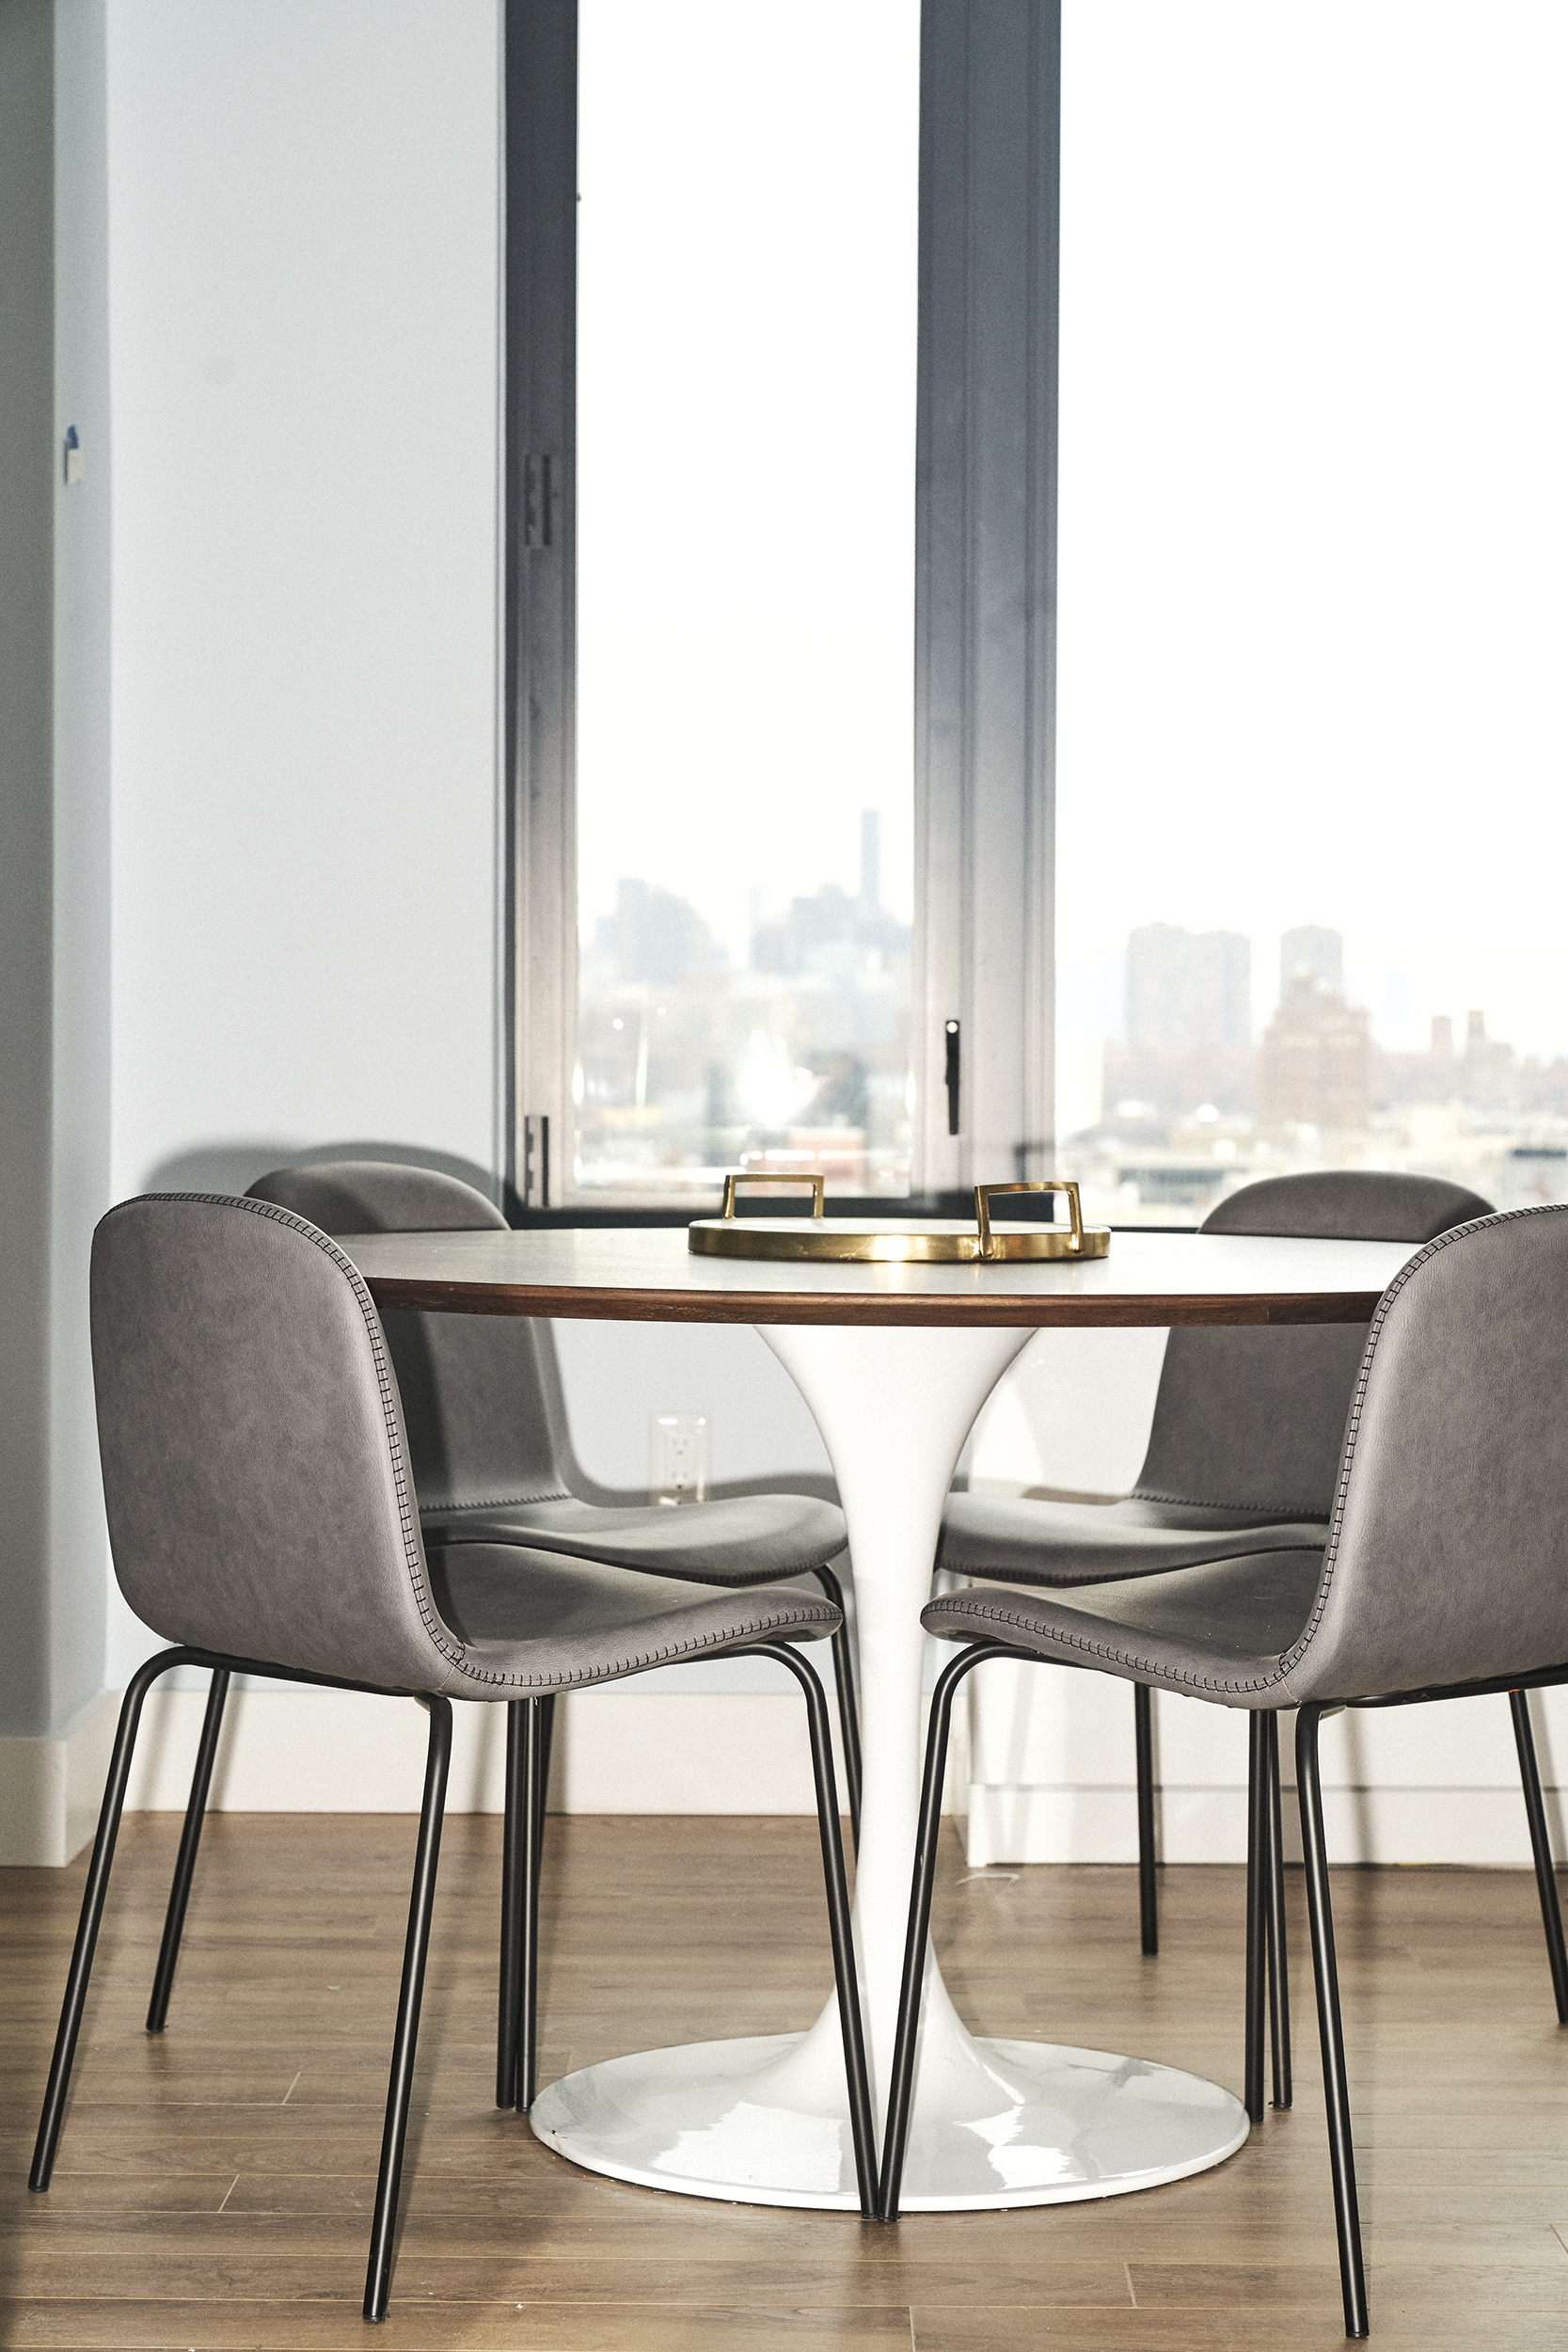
(857, 1241)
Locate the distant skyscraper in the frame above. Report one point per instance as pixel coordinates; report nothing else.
(1312, 953)
(1489, 1077)
(1187, 992)
(1316, 1066)
(658, 937)
(829, 918)
(871, 861)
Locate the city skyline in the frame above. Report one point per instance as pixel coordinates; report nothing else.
(654, 933)
(1169, 966)
(691, 1060)
(1189, 1103)
(1186, 1041)
(815, 1025)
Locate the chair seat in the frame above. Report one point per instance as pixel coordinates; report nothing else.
(1220, 1628)
(743, 1539)
(1017, 1540)
(531, 1620)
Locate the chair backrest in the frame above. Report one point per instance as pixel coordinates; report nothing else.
(255, 1471)
(1254, 1419)
(1448, 1553)
(481, 1395)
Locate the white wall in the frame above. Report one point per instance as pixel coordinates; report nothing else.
(617, 1374)
(82, 973)
(54, 873)
(303, 204)
(1052, 1780)
(1072, 1416)
(304, 317)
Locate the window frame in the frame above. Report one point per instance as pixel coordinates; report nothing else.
(985, 490)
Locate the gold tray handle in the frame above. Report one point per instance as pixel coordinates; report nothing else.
(984, 1192)
(765, 1176)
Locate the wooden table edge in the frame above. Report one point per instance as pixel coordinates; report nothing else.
(583, 1302)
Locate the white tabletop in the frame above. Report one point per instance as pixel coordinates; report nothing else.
(648, 1273)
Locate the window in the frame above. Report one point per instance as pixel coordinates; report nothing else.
(1314, 492)
(816, 316)
(745, 311)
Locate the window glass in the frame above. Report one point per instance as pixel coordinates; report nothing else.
(1314, 497)
(746, 370)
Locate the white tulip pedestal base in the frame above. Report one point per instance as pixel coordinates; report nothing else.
(766, 2120)
(764, 2123)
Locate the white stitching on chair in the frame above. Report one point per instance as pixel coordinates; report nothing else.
(780, 1621)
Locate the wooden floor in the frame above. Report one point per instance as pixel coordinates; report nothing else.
(214, 2187)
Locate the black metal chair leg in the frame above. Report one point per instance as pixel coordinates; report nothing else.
(896, 2128)
(92, 1911)
(513, 1873)
(190, 1838)
(1341, 2156)
(1149, 1900)
(858, 2081)
(1257, 1909)
(901, 2085)
(516, 2041)
(532, 1810)
(1540, 1846)
(1279, 1972)
(848, 1714)
(547, 1741)
(378, 2276)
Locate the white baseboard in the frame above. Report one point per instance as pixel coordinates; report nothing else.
(303, 1751)
(50, 1789)
(1469, 1827)
(626, 1751)
(616, 1751)
(1052, 1775)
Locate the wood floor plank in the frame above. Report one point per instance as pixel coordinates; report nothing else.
(1254, 2193)
(1037, 2254)
(1445, 2287)
(1005, 2330)
(74, 2197)
(42, 2271)
(431, 2326)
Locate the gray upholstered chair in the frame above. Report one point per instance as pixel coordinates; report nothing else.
(260, 1497)
(1445, 1575)
(493, 1464)
(1242, 1458)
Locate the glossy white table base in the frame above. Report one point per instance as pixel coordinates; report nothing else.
(766, 2120)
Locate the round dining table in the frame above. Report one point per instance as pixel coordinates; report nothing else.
(895, 1361)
